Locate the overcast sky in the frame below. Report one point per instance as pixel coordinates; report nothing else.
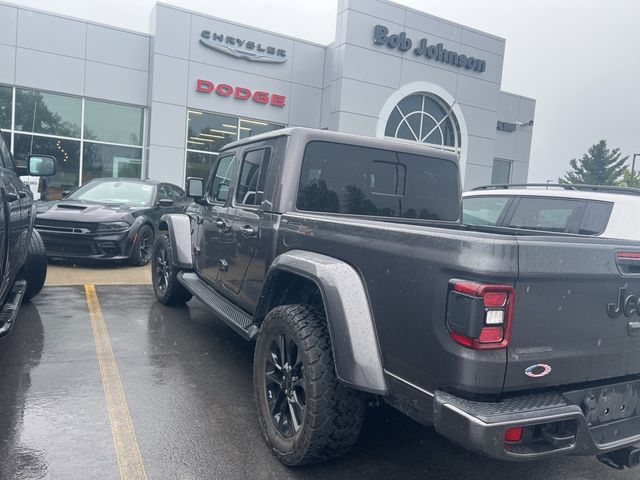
(578, 58)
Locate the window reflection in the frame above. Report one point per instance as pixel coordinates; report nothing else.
(110, 122)
(209, 132)
(248, 128)
(48, 113)
(199, 164)
(67, 154)
(501, 172)
(6, 94)
(100, 160)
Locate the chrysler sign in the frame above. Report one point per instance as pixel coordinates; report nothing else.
(431, 51)
(242, 48)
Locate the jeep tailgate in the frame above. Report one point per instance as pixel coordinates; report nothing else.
(562, 332)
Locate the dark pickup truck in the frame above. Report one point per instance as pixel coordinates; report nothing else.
(23, 261)
(344, 258)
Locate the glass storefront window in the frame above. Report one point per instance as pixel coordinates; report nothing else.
(248, 128)
(48, 113)
(67, 154)
(7, 138)
(6, 99)
(200, 164)
(110, 122)
(100, 160)
(210, 132)
(501, 172)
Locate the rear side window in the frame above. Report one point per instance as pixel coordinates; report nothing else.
(338, 178)
(252, 177)
(595, 218)
(550, 214)
(483, 210)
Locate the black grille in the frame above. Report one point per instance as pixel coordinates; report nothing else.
(67, 247)
(65, 226)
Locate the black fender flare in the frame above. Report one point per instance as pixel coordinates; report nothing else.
(133, 231)
(354, 340)
(178, 227)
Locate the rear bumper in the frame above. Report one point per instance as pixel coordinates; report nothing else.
(554, 423)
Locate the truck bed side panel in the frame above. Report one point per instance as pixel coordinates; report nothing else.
(406, 270)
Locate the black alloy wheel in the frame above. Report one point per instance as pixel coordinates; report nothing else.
(161, 268)
(164, 275)
(285, 385)
(306, 414)
(143, 246)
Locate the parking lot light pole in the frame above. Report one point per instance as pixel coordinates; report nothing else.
(633, 163)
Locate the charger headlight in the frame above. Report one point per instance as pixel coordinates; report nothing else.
(113, 227)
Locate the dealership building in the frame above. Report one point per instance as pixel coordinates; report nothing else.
(112, 102)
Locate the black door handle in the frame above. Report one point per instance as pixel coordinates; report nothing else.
(22, 194)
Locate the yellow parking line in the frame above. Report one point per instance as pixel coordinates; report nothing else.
(127, 451)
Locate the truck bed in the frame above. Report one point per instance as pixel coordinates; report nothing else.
(563, 287)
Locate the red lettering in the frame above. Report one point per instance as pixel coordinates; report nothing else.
(242, 93)
(224, 89)
(277, 100)
(204, 86)
(261, 97)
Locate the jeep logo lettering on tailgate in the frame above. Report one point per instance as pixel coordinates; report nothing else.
(627, 305)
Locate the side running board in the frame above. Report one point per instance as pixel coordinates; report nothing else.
(237, 319)
(10, 310)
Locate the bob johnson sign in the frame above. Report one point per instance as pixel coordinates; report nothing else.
(435, 52)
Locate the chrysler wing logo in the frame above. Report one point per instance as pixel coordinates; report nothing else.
(240, 48)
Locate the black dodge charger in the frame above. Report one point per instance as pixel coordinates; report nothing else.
(108, 218)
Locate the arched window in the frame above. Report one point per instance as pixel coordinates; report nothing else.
(426, 118)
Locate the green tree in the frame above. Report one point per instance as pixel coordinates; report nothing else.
(599, 166)
(630, 179)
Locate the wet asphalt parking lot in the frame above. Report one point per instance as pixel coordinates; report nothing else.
(174, 401)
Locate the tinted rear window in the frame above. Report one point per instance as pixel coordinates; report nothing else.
(338, 178)
(561, 215)
(595, 218)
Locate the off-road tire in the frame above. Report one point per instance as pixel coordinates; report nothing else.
(333, 413)
(173, 293)
(34, 270)
(145, 234)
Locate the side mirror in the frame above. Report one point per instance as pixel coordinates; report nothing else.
(42, 165)
(165, 202)
(65, 193)
(195, 187)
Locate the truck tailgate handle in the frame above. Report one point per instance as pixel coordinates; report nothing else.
(628, 262)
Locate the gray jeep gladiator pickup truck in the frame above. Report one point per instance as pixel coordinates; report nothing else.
(344, 258)
(23, 261)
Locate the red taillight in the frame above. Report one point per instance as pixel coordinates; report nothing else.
(497, 314)
(628, 255)
(462, 339)
(513, 435)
